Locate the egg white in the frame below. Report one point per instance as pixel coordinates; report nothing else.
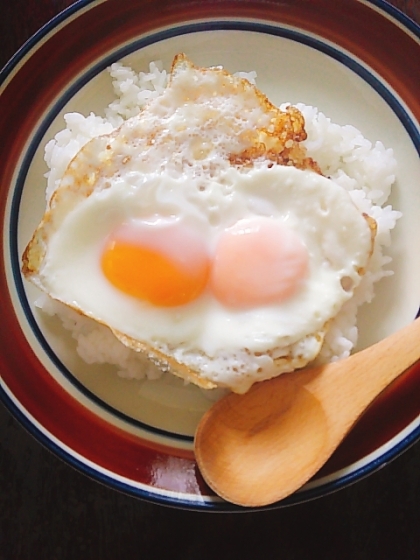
(336, 235)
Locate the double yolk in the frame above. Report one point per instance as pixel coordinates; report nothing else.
(257, 261)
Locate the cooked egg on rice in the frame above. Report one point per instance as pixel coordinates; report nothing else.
(201, 233)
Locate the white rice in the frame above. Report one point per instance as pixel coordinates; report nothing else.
(367, 171)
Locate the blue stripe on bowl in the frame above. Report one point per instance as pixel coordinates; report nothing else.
(40, 35)
(152, 496)
(397, 14)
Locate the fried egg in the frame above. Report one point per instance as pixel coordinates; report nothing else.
(201, 234)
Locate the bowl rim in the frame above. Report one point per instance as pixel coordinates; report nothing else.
(42, 437)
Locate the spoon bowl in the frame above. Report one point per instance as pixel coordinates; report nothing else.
(256, 449)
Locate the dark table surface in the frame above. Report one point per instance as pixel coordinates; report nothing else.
(50, 511)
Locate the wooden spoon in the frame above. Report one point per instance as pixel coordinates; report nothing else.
(257, 448)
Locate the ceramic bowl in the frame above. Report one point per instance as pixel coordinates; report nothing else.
(357, 61)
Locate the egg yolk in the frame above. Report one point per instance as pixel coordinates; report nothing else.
(257, 262)
(166, 266)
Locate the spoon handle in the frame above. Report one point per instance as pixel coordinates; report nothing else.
(366, 374)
